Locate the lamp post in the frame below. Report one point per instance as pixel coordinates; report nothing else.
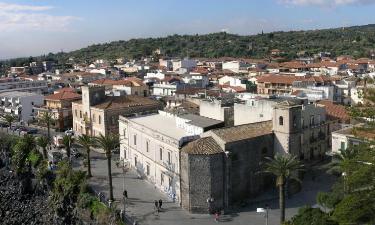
(264, 210)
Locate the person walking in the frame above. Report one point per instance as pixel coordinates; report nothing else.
(125, 193)
(156, 206)
(160, 203)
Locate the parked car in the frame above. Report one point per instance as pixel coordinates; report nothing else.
(69, 132)
(32, 131)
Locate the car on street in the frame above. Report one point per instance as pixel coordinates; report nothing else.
(69, 132)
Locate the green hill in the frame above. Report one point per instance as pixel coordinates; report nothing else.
(357, 41)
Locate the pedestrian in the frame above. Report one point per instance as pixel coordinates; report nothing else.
(160, 203)
(156, 206)
(216, 216)
(125, 193)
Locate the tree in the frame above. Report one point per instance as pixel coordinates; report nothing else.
(108, 143)
(68, 141)
(311, 216)
(43, 143)
(87, 142)
(9, 119)
(284, 167)
(67, 187)
(47, 119)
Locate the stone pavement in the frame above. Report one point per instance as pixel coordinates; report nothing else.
(142, 194)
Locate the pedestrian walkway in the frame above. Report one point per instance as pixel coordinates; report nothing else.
(142, 194)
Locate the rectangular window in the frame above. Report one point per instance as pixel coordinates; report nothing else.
(135, 139)
(169, 157)
(147, 145)
(135, 161)
(342, 145)
(161, 178)
(169, 182)
(76, 113)
(161, 153)
(148, 170)
(80, 114)
(124, 133)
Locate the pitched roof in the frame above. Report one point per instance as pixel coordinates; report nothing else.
(202, 146)
(64, 95)
(242, 132)
(129, 101)
(335, 111)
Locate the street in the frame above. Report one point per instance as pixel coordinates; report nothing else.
(142, 194)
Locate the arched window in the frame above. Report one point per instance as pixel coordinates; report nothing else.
(281, 120)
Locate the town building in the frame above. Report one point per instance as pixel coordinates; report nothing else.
(223, 166)
(152, 143)
(59, 105)
(20, 104)
(23, 85)
(98, 114)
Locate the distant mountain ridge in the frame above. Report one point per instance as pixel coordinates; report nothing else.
(358, 41)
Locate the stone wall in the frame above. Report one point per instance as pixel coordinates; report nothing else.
(245, 158)
(202, 178)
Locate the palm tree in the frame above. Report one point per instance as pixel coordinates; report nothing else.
(9, 119)
(47, 119)
(43, 143)
(108, 143)
(87, 142)
(68, 141)
(284, 167)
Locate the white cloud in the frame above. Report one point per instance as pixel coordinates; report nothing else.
(17, 17)
(329, 3)
(16, 7)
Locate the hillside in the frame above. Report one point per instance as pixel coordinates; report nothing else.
(358, 41)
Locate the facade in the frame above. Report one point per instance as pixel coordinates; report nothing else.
(253, 111)
(20, 104)
(23, 85)
(167, 87)
(222, 167)
(60, 105)
(301, 129)
(233, 81)
(187, 64)
(152, 143)
(98, 114)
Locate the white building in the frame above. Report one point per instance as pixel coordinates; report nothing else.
(24, 85)
(253, 111)
(196, 80)
(152, 143)
(20, 104)
(232, 81)
(184, 63)
(234, 66)
(344, 138)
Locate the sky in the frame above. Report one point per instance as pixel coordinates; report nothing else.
(35, 27)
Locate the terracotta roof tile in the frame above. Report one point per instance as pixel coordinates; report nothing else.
(64, 95)
(202, 146)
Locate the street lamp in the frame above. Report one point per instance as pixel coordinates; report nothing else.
(265, 211)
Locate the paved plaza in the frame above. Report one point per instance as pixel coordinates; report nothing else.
(141, 196)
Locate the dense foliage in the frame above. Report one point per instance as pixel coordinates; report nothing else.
(358, 41)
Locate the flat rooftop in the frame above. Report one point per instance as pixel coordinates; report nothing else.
(16, 94)
(163, 124)
(200, 121)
